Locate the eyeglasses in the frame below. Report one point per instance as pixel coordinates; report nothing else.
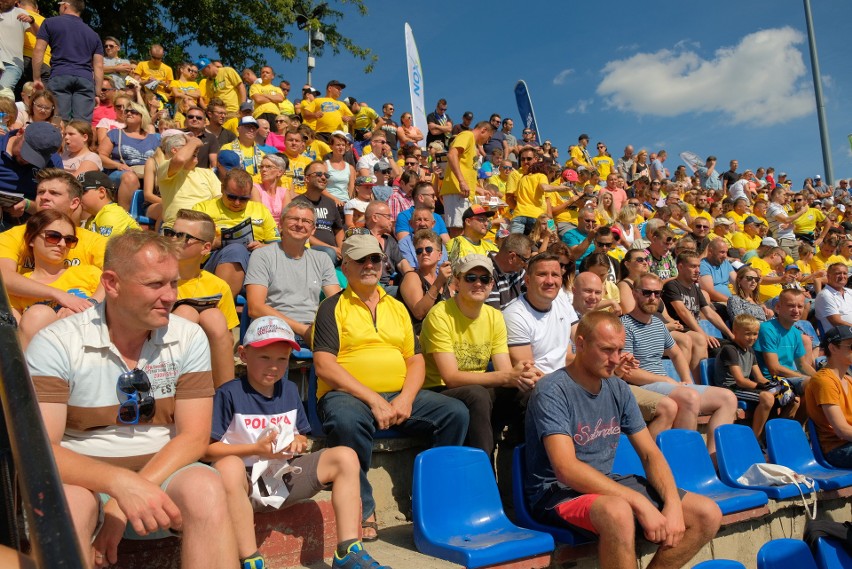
(524, 260)
(195, 117)
(236, 198)
(601, 146)
(45, 108)
(109, 45)
(603, 243)
(702, 227)
(527, 132)
(590, 221)
(648, 293)
(505, 167)
(280, 120)
(752, 279)
(428, 249)
(374, 259)
(295, 220)
(55, 238)
(668, 239)
(385, 215)
(319, 174)
(186, 237)
(140, 404)
(108, 89)
(471, 278)
(640, 259)
(632, 203)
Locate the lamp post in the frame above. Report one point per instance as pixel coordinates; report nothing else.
(820, 104)
(316, 39)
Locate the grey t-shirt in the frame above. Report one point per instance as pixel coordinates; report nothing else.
(293, 285)
(559, 406)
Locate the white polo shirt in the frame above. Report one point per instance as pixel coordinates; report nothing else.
(547, 333)
(830, 302)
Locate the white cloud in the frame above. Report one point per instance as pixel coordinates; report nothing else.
(562, 76)
(762, 80)
(581, 107)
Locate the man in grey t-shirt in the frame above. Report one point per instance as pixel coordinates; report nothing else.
(574, 420)
(286, 281)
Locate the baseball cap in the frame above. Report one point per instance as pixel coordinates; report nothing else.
(336, 83)
(345, 135)
(782, 175)
(570, 176)
(365, 181)
(382, 166)
(769, 242)
(817, 177)
(310, 89)
(359, 246)
(202, 63)
(247, 106)
(349, 101)
(752, 219)
(269, 330)
(96, 179)
(228, 159)
(476, 209)
(467, 115)
(41, 141)
(468, 262)
(582, 137)
(792, 267)
(248, 121)
(723, 221)
(838, 334)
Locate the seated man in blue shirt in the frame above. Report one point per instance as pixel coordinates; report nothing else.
(423, 218)
(423, 194)
(22, 155)
(717, 271)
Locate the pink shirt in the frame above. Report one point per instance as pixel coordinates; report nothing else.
(102, 112)
(274, 203)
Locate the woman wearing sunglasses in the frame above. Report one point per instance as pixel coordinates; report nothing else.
(49, 236)
(745, 299)
(427, 285)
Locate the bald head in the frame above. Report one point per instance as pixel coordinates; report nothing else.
(588, 291)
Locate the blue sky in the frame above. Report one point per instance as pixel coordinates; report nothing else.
(730, 78)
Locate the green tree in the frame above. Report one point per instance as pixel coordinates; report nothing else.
(236, 32)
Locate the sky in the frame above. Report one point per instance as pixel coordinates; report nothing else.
(728, 78)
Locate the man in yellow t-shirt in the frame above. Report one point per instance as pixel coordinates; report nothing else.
(739, 213)
(286, 106)
(477, 222)
(106, 217)
(294, 177)
(603, 163)
(748, 239)
(459, 183)
(223, 83)
(579, 155)
(266, 96)
(29, 43)
(245, 146)
(182, 184)
(771, 268)
(363, 122)
(155, 70)
(242, 226)
(329, 113)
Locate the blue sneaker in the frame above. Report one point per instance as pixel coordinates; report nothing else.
(356, 558)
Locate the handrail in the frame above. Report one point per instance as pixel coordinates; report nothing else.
(31, 465)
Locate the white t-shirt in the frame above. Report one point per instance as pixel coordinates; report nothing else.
(830, 302)
(547, 333)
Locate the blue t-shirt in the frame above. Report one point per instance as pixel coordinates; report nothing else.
(406, 248)
(559, 406)
(575, 237)
(72, 44)
(786, 344)
(720, 275)
(403, 222)
(19, 178)
(134, 151)
(240, 413)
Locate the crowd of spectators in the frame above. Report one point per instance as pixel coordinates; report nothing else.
(461, 269)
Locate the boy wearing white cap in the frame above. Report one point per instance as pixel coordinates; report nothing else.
(243, 409)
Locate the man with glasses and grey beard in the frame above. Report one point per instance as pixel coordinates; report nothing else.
(128, 381)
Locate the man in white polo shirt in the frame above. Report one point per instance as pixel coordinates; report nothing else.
(833, 304)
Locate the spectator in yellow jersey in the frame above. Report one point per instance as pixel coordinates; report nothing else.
(748, 239)
(223, 83)
(106, 217)
(266, 96)
(329, 113)
(295, 176)
(185, 91)
(460, 178)
(364, 121)
(477, 222)
(155, 75)
(246, 147)
(286, 107)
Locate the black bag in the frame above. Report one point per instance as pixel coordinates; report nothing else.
(839, 532)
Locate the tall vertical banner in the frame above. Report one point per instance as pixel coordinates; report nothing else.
(415, 81)
(525, 108)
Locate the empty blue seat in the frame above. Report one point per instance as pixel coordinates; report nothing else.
(136, 205)
(706, 371)
(626, 460)
(831, 554)
(458, 515)
(785, 554)
(669, 366)
(710, 330)
(815, 447)
(693, 471)
(522, 511)
(736, 451)
(788, 445)
(719, 564)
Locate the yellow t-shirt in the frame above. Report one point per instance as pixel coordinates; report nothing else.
(30, 39)
(333, 112)
(80, 280)
(467, 143)
(741, 240)
(185, 189)
(765, 291)
(294, 177)
(286, 107)
(578, 158)
(263, 226)
(89, 250)
(112, 220)
(157, 72)
(261, 89)
(208, 284)
(225, 86)
(737, 218)
(461, 246)
(250, 156)
(316, 150)
(186, 87)
(514, 179)
(498, 181)
(604, 165)
(473, 342)
(838, 259)
(365, 118)
(807, 222)
(568, 215)
(530, 197)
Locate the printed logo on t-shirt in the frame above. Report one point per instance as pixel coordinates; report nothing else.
(586, 434)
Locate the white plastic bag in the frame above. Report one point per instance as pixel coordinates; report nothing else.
(767, 474)
(267, 475)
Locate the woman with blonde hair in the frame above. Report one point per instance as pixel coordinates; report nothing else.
(79, 153)
(605, 211)
(407, 133)
(124, 152)
(746, 299)
(542, 234)
(626, 220)
(640, 166)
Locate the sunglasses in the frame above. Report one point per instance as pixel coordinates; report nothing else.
(428, 249)
(238, 199)
(374, 259)
(140, 404)
(132, 112)
(702, 227)
(55, 238)
(119, 107)
(415, 163)
(172, 234)
(648, 293)
(195, 117)
(603, 244)
(640, 259)
(318, 174)
(752, 279)
(471, 278)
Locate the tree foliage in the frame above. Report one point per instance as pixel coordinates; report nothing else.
(236, 32)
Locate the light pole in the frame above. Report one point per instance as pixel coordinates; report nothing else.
(823, 125)
(316, 39)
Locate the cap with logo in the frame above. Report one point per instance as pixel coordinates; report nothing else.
(476, 210)
(268, 330)
(96, 179)
(251, 121)
(365, 181)
(838, 334)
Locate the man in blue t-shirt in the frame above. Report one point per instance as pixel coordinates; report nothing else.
(423, 194)
(779, 348)
(717, 272)
(22, 155)
(574, 421)
(77, 61)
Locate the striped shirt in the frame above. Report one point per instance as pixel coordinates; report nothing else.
(655, 339)
(507, 286)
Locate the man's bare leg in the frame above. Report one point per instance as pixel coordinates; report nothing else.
(702, 519)
(612, 517)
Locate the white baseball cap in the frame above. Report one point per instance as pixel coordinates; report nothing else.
(268, 330)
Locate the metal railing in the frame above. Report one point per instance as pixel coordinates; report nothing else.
(26, 462)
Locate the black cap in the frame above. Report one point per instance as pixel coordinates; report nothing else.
(838, 334)
(336, 83)
(96, 179)
(583, 136)
(467, 115)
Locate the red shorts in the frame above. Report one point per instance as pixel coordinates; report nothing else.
(578, 512)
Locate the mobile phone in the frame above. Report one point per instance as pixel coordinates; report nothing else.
(551, 225)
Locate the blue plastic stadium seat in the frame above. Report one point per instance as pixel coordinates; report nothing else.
(736, 451)
(815, 447)
(706, 371)
(669, 367)
(693, 471)
(785, 554)
(136, 206)
(626, 460)
(522, 511)
(710, 330)
(719, 564)
(458, 515)
(830, 554)
(313, 414)
(788, 445)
